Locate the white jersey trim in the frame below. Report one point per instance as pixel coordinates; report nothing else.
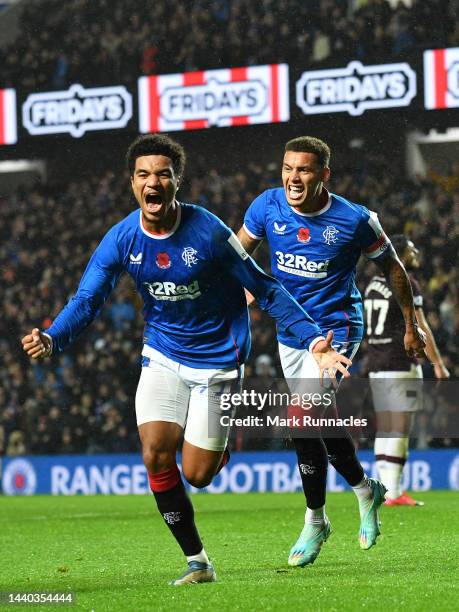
(382, 242)
(51, 343)
(251, 234)
(317, 212)
(162, 236)
(237, 246)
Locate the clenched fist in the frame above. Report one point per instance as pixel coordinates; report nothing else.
(37, 345)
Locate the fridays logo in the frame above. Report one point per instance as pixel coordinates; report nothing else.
(223, 97)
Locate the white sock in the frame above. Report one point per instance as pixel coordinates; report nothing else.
(364, 494)
(397, 450)
(380, 450)
(363, 489)
(201, 557)
(315, 517)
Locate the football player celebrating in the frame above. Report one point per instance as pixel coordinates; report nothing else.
(315, 240)
(395, 376)
(190, 270)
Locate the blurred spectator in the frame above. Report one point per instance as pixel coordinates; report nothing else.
(16, 444)
(66, 445)
(264, 366)
(110, 41)
(2, 441)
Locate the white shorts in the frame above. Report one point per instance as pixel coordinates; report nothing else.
(175, 393)
(301, 372)
(300, 363)
(397, 391)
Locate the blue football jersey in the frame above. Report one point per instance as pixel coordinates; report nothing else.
(191, 281)
(315, 256)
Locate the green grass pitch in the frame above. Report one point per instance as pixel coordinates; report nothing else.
(115, 553)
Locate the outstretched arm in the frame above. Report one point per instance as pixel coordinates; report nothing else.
(277, 302)
(399, 282)
(100, 277)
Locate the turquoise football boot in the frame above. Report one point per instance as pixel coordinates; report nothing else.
(369, 515)
(308, 545)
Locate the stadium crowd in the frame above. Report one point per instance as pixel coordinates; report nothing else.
(83, 400)
(116, 41)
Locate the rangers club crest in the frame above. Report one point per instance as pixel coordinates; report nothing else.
(189, 256)
(163, 261)
(330, 234)
(304, 234)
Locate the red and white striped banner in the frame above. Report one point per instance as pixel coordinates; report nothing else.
(230, 96)
(8, 122)
(441, 78)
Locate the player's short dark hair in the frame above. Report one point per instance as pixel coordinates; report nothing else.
(399, 242)
(156, 144)
(309, 144)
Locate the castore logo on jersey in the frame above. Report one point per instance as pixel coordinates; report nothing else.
(279, 229)
(135, 259)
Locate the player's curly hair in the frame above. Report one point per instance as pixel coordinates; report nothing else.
(156, 144)
(309, 144)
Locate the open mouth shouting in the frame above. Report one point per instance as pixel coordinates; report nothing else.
(153, 203)
(295, 192)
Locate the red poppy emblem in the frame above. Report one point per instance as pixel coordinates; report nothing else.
(163, 261)
(304, 235)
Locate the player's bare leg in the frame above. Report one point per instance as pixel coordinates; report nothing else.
(200, 465)
(159, 446)
(160, 441)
